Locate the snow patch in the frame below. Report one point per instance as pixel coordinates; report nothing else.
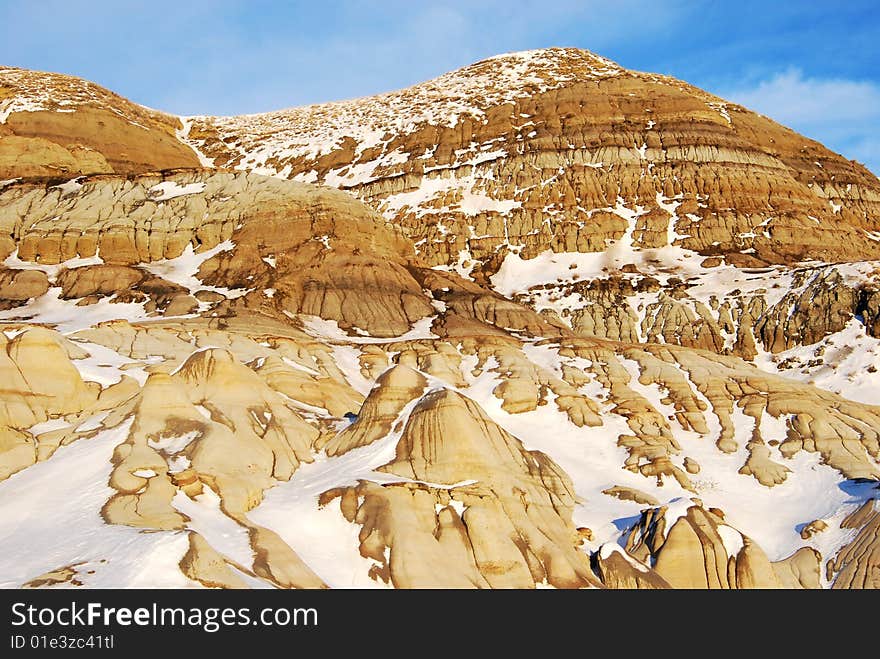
(172, 189)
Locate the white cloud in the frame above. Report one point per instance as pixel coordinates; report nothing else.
(842, 114)
(790, 98)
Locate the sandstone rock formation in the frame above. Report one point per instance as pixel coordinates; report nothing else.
(58, 125)
(698, 550)
(474, 509)
(562, 149)
(539, 338)
(858, 564)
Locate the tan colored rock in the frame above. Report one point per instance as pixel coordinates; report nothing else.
(631, 494)
(759, 465)
(144, 489)
(202, 563)
(69, 574)
(820, 305)
(449, 440)
(97, 280)
(17, 451)
(585, 534)
(724, 169)
(39, 379)
(278, 563)
(857, 565)
(17, 286)
(753, 568)
(393, 390)
(800, 570)
(313, 388)
(253, 438)
(91, 131)
(620, 571)
(37, 156)
(606, 314)
(181, 305)
(682, 561)
(692, 553)
(691, 466)
(814, 527)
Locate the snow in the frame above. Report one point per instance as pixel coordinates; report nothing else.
(771, 516)
(103, 365)
(174, 443)
(590, 456)
(61, 516)
(322, 537)
(329, 330)
(204, 411)
(223, 533)
(721, 108)
(71, 187)
(67, 317)
(473, 204)
(438, 184)
(845, 360)
(316, 130)
(301, 367)
(183, 134)
(93, 423)
(732, 539)
(13, 261)
(347, 358)
(172, 189)
(48, 426)
(184, 268)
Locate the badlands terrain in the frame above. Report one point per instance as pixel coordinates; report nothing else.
(539, 322)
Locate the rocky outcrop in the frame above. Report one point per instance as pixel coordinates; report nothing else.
(539, 333)
(562, 150)
(239, 415)
(474, 509)
(315, 252)
(857, 565)
(393, 390)
(620, 571)
(58, 125)
(19, 286)
(698, 550)
(203, 564)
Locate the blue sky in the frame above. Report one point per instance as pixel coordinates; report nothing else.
(814, 66)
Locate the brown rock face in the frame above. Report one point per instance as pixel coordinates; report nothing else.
(558, 149)
(394, 389)
(316, 251)
(518, 369)
(18, 286)
(53, 124)
(858, 564)
(698, 550)
(473, 509)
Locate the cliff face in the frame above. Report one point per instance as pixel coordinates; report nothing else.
(53, 124)
(564, 150)
(633, 206)
(538, 339)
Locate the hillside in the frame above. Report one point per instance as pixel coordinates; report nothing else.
(563, 325)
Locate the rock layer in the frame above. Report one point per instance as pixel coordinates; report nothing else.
(57, 125)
